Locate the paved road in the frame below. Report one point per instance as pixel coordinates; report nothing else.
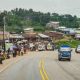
(43, 66)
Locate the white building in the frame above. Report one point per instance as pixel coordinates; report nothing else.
(52, 24)
(28, 30)
(77, 35)
(61, 27)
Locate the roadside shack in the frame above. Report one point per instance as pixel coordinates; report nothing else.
(15, 37)
(54, 35)
(43, 37)
(30, 37)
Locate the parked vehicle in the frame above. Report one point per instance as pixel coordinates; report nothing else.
(77, 50)
(41, 47)
(64, 52)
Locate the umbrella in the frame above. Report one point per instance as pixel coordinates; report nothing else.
(19, 42)
(24, 40)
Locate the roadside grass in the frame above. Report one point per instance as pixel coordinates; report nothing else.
(72, 43)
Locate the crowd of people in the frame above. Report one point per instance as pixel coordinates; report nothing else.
(22, 48)
(14, 50)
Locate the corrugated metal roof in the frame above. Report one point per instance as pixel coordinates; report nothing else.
(43, 36)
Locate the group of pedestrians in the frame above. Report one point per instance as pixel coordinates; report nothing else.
(21, 48)
(17, 49)
(14, 50)
(41, 46)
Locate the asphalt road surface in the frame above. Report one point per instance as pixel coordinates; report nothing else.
(43, 65)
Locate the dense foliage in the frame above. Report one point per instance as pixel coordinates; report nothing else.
(18, 19)
(72, 43)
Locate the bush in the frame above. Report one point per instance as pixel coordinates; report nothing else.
(72, 43)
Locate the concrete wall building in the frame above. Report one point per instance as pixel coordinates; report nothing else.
(52, 24)
(28, 30)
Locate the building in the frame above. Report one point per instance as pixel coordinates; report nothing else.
(61, 28)
(43, 37)
(28, 30)
(54, 35)
(68, 31)
(6, 35)
(15, 37)
(77, 34)
(52, 24)
(31, 36)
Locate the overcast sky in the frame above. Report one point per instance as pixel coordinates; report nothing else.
(58, 6)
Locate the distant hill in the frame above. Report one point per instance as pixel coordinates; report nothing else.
(18, 19)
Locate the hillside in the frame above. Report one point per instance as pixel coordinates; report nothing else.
(18, 19)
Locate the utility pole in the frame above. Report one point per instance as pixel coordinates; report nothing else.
(4, 34)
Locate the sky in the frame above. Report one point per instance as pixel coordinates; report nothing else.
(54, 6)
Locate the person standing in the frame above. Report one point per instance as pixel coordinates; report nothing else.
(22, 50)
(1, 57)
(14, 50)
